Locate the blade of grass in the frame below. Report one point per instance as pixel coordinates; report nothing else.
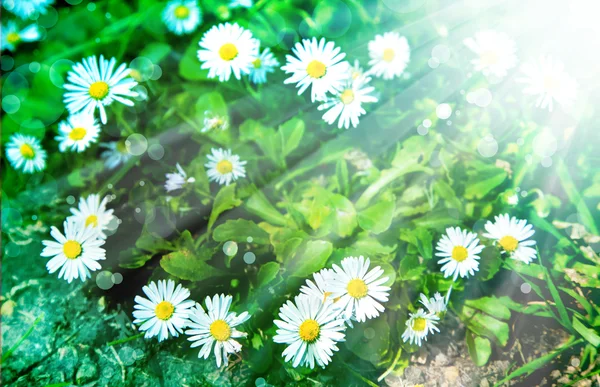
(8, 353)
(121, 341)
(560, 306)
(575, 197)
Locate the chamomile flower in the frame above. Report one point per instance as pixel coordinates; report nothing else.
(96, 84)
(495, 52)
(224, 167)
(311, 328)
(77, 132)
(12, 36)
(240, 3)
(75, 253)
(182, 16)
(227, 48)
(25, 153)
(356, 71)
(359, 290)
(347, 103)
(263, 64)
(165, 311)
(389, 55)
(512, 235)
(92, 213)
(459, 250)
(216, 326)
(115, 154)
(26, 8)
(547, 80)
(320, 286)
(436, 304)
(418, 326)
(214, 122)
(177, 180)
(317, 64)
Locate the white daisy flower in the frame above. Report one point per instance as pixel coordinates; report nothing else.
(11, 36)
(77, 132)
(496, 52)
(75, 253)
(26, 8)
(214, 122)
(182, 16)
(318, 65)
(177, 180)
(418, 326)
(216, 325)
(25, 153)
(347, 103)
(436, 304)
(115, 154)
(223, 167)
(359, 292)
(512, 235)
(547, 80)
(356, 71)
(165, 312)
(227, 48)
(321, 287)
(96, 85)
(261, 65)
(459, 250)
(92, 213)
(311, 329)
(240, 3)
(389, 55)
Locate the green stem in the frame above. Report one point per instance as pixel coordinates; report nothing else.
(8, 353)
(365, 380)
(121, 341)
(391, 367)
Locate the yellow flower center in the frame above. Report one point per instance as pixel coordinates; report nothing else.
(419, 324)
(27, 151)
(347, 96)
(550, 83)
(91, 220)
(164, 310)
(13, 37)
(72, 249)
(316, 69)
(357, 288)
(99, 90)
(309, 331)
(257, 63)
(77, 134)
(220, 330)
(181, 12)
(388, 54)
(508, 243)
(459, 253)
(224, 167)
(488, 58)
(228, 51)
(121, 147)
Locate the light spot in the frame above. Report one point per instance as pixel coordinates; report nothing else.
(309, 331)
(27, 151)
(224, 167)
(459, 253)
(419, 324)
(220, 330)
(443, 111)
(77, 134)
(228, 51)
(388, 55)
(357, 288)
(91, 220)
(509, 243)
(316, 69)
(72, 249)
(181, 12)
(347, 96)
(99, 90)
(164, 310)
(257, 63)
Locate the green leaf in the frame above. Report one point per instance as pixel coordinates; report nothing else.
(239, 230)
(259, 205)
(479, 347)
(344, 215)
(483, 180)
(213, 102)
(410, 268)
(485, 325)
(309, 257)
(341, 174)
(188, 266)
(490, 263)
(267, 273)
(575, 198)
(291, 133)
(189, 65)
(370, 340)
(491, 306)
(378, 217)
(148, 242)
(156, 51)
(225, 200)
(133, 259)
(421, 239)
(588, 334)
